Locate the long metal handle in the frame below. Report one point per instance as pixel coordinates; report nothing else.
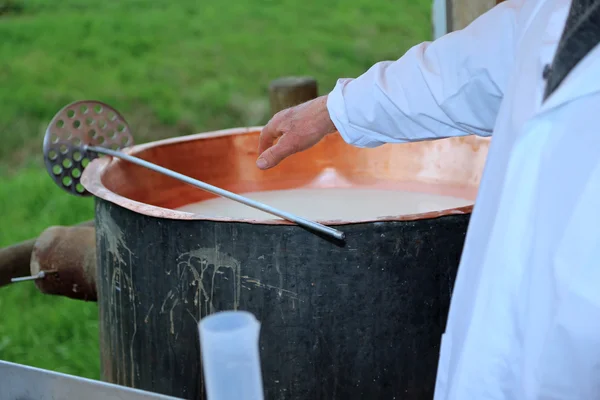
(221, 192)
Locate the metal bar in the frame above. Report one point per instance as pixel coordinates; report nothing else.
(21, 382)
(39, 275)
(221, 192)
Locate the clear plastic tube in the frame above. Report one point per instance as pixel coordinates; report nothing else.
(230, 356)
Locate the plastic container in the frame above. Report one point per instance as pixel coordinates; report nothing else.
(230, 356)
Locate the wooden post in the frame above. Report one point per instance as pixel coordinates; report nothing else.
(460, 13)
(290, 91)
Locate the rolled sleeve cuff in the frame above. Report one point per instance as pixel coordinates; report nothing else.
(336, 107)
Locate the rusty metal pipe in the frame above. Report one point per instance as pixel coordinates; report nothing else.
(68, 256)
(15, 259)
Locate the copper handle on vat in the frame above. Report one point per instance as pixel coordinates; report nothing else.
(221, 192)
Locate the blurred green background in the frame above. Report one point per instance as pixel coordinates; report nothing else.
(172, 68)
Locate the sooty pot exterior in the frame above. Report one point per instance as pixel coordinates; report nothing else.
(358, 320)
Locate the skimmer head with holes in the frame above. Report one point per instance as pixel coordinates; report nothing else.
(81, 124)
(83, 130)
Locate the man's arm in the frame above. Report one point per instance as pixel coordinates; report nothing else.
(450, 87)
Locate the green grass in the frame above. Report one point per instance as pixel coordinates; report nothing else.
(172, 68)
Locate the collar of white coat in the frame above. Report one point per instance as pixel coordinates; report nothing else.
(583, 80)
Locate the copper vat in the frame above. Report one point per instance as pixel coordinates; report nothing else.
(330, 330)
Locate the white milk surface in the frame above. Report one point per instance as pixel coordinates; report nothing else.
(329, 204)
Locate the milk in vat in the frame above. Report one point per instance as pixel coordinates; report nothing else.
(330, 203)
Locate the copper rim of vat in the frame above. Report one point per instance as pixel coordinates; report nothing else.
(226, 158)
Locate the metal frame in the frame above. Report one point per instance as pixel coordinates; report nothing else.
(21, 382)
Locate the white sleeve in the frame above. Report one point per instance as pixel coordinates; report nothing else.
(450, 87)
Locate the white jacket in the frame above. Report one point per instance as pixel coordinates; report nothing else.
(524, 321)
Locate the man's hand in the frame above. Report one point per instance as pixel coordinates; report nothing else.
(298, 128)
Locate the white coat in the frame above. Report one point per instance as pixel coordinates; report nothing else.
(524, 321)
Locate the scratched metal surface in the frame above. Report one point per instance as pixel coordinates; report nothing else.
(359, 321)
(20, 382)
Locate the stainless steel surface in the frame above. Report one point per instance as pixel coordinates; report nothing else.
(21, 382)
(84, 129)
(218, 191)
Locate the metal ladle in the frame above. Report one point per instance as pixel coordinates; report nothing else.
(84, 129)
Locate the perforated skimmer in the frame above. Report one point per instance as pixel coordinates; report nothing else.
(83, 130)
